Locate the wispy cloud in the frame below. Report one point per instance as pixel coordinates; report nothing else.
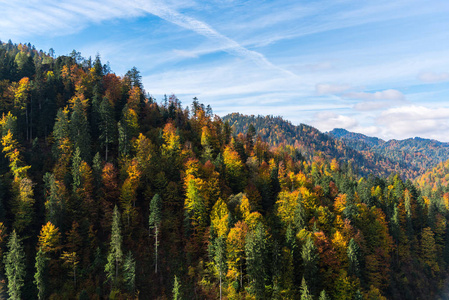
(49, 17)
(324, 89)
(433, 77)
(389, 94)
(163, 11)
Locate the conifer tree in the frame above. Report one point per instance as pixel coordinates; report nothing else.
(115, 255)
(154, 222)
(40, 275)
(129, 272)
(353, 258)
(79, 129)
(255, 260)
(177, 289)
(107, 126)
(15, 267)
(305, 293)
(324, 296)
(310, 261)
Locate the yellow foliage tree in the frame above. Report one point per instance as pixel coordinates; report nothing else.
(49, 238)
(219, 218)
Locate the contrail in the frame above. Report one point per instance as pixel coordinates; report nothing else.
(164, 12)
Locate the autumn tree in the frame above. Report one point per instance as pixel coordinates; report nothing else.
(49, 238)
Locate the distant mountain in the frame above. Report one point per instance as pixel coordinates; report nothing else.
(421, 154)
(310, 141)
(341, 133)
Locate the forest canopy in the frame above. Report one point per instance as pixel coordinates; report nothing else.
(107, 193)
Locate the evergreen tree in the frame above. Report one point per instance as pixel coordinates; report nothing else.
(15, 267)
(115, 255)
(129, 272)
(310, 261)
(220, 259)
(353, 258)
(155, 222)
(76, 163)
(107, 126)
(255, 249)
(79, 129)
(177, 289)
(40, 275)
(305, 294)
(324, 296)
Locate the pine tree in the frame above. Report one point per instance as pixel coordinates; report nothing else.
(324, 296)
(115, 255)
(129, 272)
(40, 275)
(15, 267)
(305, 294)
(154, 222)
(219, 257)
(79, 129)
(310, 261)
(107, 126)
(76, 163)
(255, 260)
(177, 289)
(353, 258)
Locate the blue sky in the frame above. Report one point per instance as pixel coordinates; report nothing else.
(376, 67)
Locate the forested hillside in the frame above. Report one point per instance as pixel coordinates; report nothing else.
(106, 193)
(417, 153)
(435, 178)
(311, 141)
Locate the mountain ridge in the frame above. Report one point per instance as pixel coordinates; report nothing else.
(372, 155)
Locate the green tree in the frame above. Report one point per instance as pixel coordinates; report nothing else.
(15, 266)
(177, 289)
(353, 258)
(155, 219)
(305, 294)
(40, 275)
(219, 256)
(255, 249)
(54, 204)
(324, 296)
(115, 255)
(310, 261)
(107, 126)
(129, 272)
(79, 129)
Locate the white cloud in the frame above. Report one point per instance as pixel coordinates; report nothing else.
(412, 121)
(433, 77)
(53, 18)
(186, 54)
(372, 105)
(389, 94)
(326, 121)
(326, 89)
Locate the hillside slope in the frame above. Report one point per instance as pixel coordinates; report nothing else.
(418, 153)
(311, 141)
